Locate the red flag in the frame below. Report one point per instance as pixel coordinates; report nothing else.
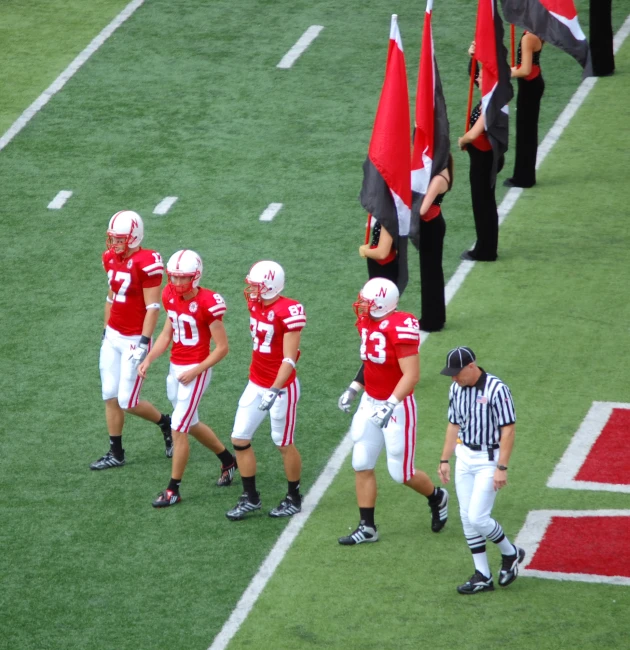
(554, 21)
(386, 190)
(431, 143)
(496, 89)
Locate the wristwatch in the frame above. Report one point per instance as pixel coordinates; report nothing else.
(502, 467)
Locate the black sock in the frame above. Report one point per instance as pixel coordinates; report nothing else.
(294, 489)
(226, 458)
(249, 486)
(163, 421)
(435, 497)
(367, 516)
(174, 485)
(115, 445)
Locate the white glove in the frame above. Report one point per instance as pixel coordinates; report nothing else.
(346, 399)
(268, 399)
(381, 416)
(139, 353)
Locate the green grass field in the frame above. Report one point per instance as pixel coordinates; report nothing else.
(185, 100)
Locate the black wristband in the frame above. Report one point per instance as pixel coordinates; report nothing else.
(503, 468)
(443, 461)
(145, 339)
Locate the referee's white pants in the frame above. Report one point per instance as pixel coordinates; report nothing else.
(474, 482)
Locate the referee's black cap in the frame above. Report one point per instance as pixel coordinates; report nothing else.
(457, 359)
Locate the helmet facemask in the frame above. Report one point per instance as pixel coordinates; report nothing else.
(362, 307)
(113, 245)
(182, 288)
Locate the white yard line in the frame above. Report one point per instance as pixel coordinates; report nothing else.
(280, 548)
(165, 205)
(298, 49)
(68, 73)
(270, 212)
(60, 200)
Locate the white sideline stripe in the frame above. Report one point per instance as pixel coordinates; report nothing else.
(68, 73)
(575, 455)
(270, 212)
(533, 531)
(277, 553)
(543, 149)
(60, 200)
(303, 42)
(268, 567)
(165, 205)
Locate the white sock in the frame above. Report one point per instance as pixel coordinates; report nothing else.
(481, 564)
(506, 547)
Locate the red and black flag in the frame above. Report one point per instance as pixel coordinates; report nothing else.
(553, 21)
(496, 89)
(431, 144)
(386, 190)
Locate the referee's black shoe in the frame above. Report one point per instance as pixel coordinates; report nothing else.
(509, 567)
(476, 584)
(439, 510)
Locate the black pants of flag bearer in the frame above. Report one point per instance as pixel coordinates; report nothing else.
(601, 37)
(527, 112)
(431, 273)
(484, 204)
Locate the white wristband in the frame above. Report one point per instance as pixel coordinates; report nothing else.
(154, 305)
(392, 399)
(289, 360)
(356, 386)
(109, 300)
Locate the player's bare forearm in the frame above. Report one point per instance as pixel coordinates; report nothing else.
(159, 347)
(507, 444)
(290, 347)
(108, 307)
(150, 321)
(410, 367)
(219, 352)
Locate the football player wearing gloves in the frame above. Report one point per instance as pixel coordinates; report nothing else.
(195, 318)
(276, 325)
(386, 415)
(131, 313)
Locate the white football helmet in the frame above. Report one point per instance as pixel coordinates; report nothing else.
(265, 281)
(378, 298)
(128, 224)
(184, 264)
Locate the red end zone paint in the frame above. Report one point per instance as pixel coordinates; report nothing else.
(609, 458)
(588, 545)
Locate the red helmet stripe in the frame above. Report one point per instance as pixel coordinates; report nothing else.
(179, 258)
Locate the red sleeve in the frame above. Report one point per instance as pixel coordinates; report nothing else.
(215, 307)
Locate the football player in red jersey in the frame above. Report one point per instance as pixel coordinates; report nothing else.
(131, 313)
(275, 324)
(387, 412)
(195, 317)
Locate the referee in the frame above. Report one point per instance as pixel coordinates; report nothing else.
(481, 432)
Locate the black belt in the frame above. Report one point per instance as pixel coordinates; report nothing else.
(481, 447)
(489, 448)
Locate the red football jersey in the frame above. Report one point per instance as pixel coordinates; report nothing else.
(127, 279)
(268, 326)
(380, 345)
(191, 320)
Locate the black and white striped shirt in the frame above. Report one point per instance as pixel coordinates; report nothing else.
(481, 410)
